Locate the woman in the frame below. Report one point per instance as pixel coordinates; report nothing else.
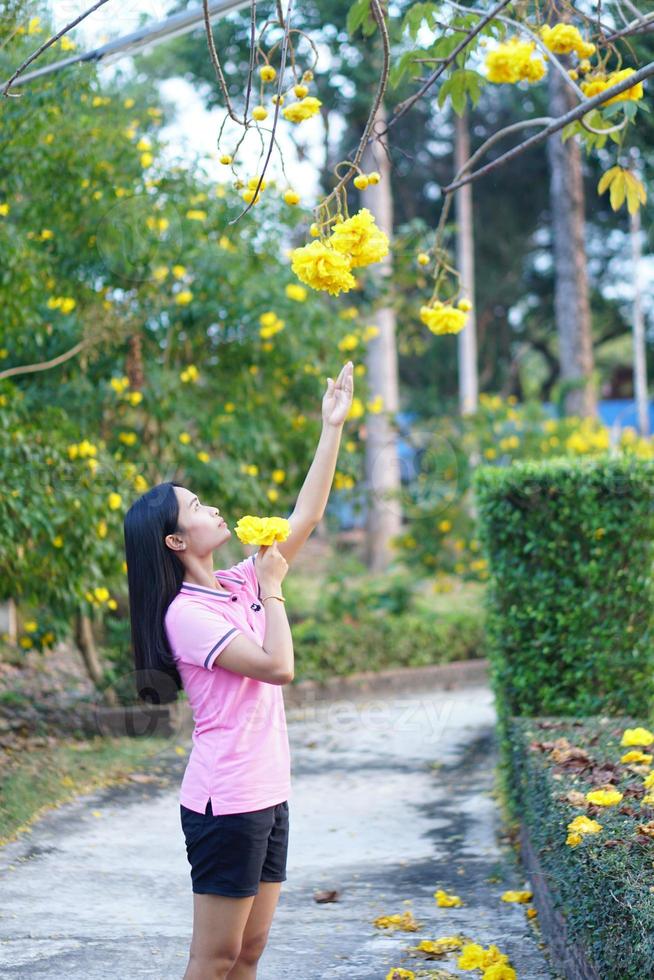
(223, 635)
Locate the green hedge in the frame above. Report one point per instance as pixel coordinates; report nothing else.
(325, 648)
(603, 885)
(569, 612)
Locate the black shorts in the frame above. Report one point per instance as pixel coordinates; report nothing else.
(230, 853)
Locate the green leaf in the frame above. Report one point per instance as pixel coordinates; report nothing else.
(356, 15)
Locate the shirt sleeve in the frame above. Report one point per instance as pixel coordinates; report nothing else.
(199, 635)
(245, 569)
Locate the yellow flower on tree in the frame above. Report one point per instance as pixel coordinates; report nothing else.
(356, 409)
(296, 292)
(563, 38)
(360, 238)
(190, 373)
(323, 268)
(594, 84)
(512, 62)
(304, 109)
(442, 318)
(348, 342)
(184, 297)
(114, 501)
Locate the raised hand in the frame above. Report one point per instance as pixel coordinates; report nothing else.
(337, 399)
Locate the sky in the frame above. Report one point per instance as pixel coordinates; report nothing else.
(194, 129)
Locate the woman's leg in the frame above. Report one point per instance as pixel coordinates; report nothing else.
(255, 934)
(218, 924)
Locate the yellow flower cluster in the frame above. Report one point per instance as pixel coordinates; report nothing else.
(327, 265)
(444, 318)
(359, 238)
(637, 736)
(446, 900)
(594, 84)
(404, 920)
(495, 964)
(190, 373)
(119, 384)
(591, 436)
(323, 268)
(63, 303)
(296, 292)
(262, 530)
(517, 896)
(270, 324)
(248, 194)
(513, 62)
(101, 594)
(579, 827)
(343, 481)
(82, 449)
(604, 797)
(303, 109)
(564, 38)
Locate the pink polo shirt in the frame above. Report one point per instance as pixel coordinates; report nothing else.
(240, 756)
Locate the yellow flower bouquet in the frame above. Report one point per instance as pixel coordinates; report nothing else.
(262, 530)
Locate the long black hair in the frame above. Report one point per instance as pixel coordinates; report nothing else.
(154, 577)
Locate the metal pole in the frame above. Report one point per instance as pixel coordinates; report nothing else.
(152, 34)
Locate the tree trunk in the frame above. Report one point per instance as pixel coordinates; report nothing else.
(86, 644)
(571, 298)
(640, 358)
(384, 512)
(467, 338)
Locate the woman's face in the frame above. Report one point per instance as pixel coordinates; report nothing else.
(204, 528)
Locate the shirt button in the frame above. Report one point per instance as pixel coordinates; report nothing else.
(234, 598)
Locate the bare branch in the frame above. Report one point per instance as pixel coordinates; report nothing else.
(554, 126)
(44, 46)
(46, 365)
(273, 142)
(215, 60)
(379, 95)
(404, 107)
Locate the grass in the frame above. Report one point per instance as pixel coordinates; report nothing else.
(43, 778)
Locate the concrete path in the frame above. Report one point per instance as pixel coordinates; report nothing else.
(391, 800)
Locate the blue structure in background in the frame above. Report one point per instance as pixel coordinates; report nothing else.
(351, 512)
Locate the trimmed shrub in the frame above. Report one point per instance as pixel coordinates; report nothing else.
(569, 613)
(602, 884)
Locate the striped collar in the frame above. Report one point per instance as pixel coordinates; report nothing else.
(191, 589)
